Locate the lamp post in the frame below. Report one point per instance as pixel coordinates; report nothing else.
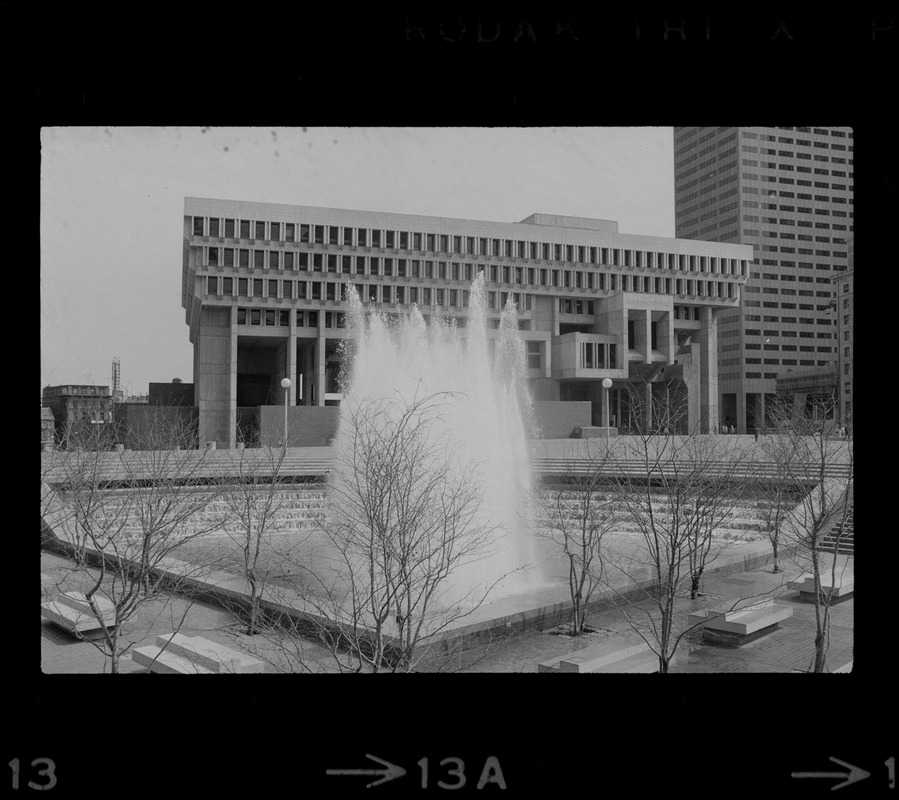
(286, 384)
(606, 385)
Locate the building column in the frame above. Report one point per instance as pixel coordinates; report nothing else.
(647, 336)
(320, 343)
(708, 369)
(740, 421)
(291, 365)
(232, 405)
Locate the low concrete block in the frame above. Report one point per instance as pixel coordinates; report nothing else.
(643, 662)
(196, 654)
(163, 662)
(743, 622)
(591, 659)
(624, 654)
(72, 611)
(843, 586)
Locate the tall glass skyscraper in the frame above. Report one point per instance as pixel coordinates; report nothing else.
(788, 193)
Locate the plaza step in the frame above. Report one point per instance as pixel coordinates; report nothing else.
(175, 652)
(71, 611)
(841, 538)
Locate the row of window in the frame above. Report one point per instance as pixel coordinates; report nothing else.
(819, 157)
(837, 134)
(306, 318)
(281, 318)
(467, 245)
(789, 347)
(598, 355)
(805, 251)
(269, 287)
(445, 270)
(374, 293)
(803, 362)
(770, 375)
(454, 270)
(752, 176)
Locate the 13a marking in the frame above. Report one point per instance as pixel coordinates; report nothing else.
(491, 773)
(48, 771)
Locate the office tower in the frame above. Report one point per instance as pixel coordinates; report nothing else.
(788, 193)
(845, 302)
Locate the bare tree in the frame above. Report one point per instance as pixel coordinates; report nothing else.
(775, 487)
(127, 514)
(259, 496)
(805, 455)
(575, 516)
(676, 492)
(405, 515)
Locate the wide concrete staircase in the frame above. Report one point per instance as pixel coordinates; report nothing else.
(841, 538)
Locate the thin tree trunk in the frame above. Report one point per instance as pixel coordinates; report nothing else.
(821, 641)
(694, 585)
(254, 604)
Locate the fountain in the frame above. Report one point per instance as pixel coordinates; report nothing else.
(484, 415)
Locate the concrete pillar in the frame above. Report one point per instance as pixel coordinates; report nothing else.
(708, 369)
(320, 343)
(215, 369)
(308, 371)
(647, 336)
(232, 405)
(291, 370)
(740, 423)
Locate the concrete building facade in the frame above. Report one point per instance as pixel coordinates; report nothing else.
(844, 283)
(787, 192)
(263, 292)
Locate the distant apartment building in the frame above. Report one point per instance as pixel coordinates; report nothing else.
(787, 192)
(48, 429)
(78, 407)
(264, 298)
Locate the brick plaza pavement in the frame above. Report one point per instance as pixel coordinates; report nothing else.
(788, 648)
(63, 653)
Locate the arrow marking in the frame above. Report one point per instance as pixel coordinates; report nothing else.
(855, 774)
(391, 772)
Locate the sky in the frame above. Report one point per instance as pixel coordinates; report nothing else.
(112, 208)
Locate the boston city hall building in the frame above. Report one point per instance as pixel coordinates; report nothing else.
(264, 295)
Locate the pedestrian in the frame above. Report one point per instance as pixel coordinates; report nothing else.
(756, 434)
(731, 430)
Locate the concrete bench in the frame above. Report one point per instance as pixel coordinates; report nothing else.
(72, 612)
(742, 624)
(837, 590)
(626, 654)
(175, 653)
